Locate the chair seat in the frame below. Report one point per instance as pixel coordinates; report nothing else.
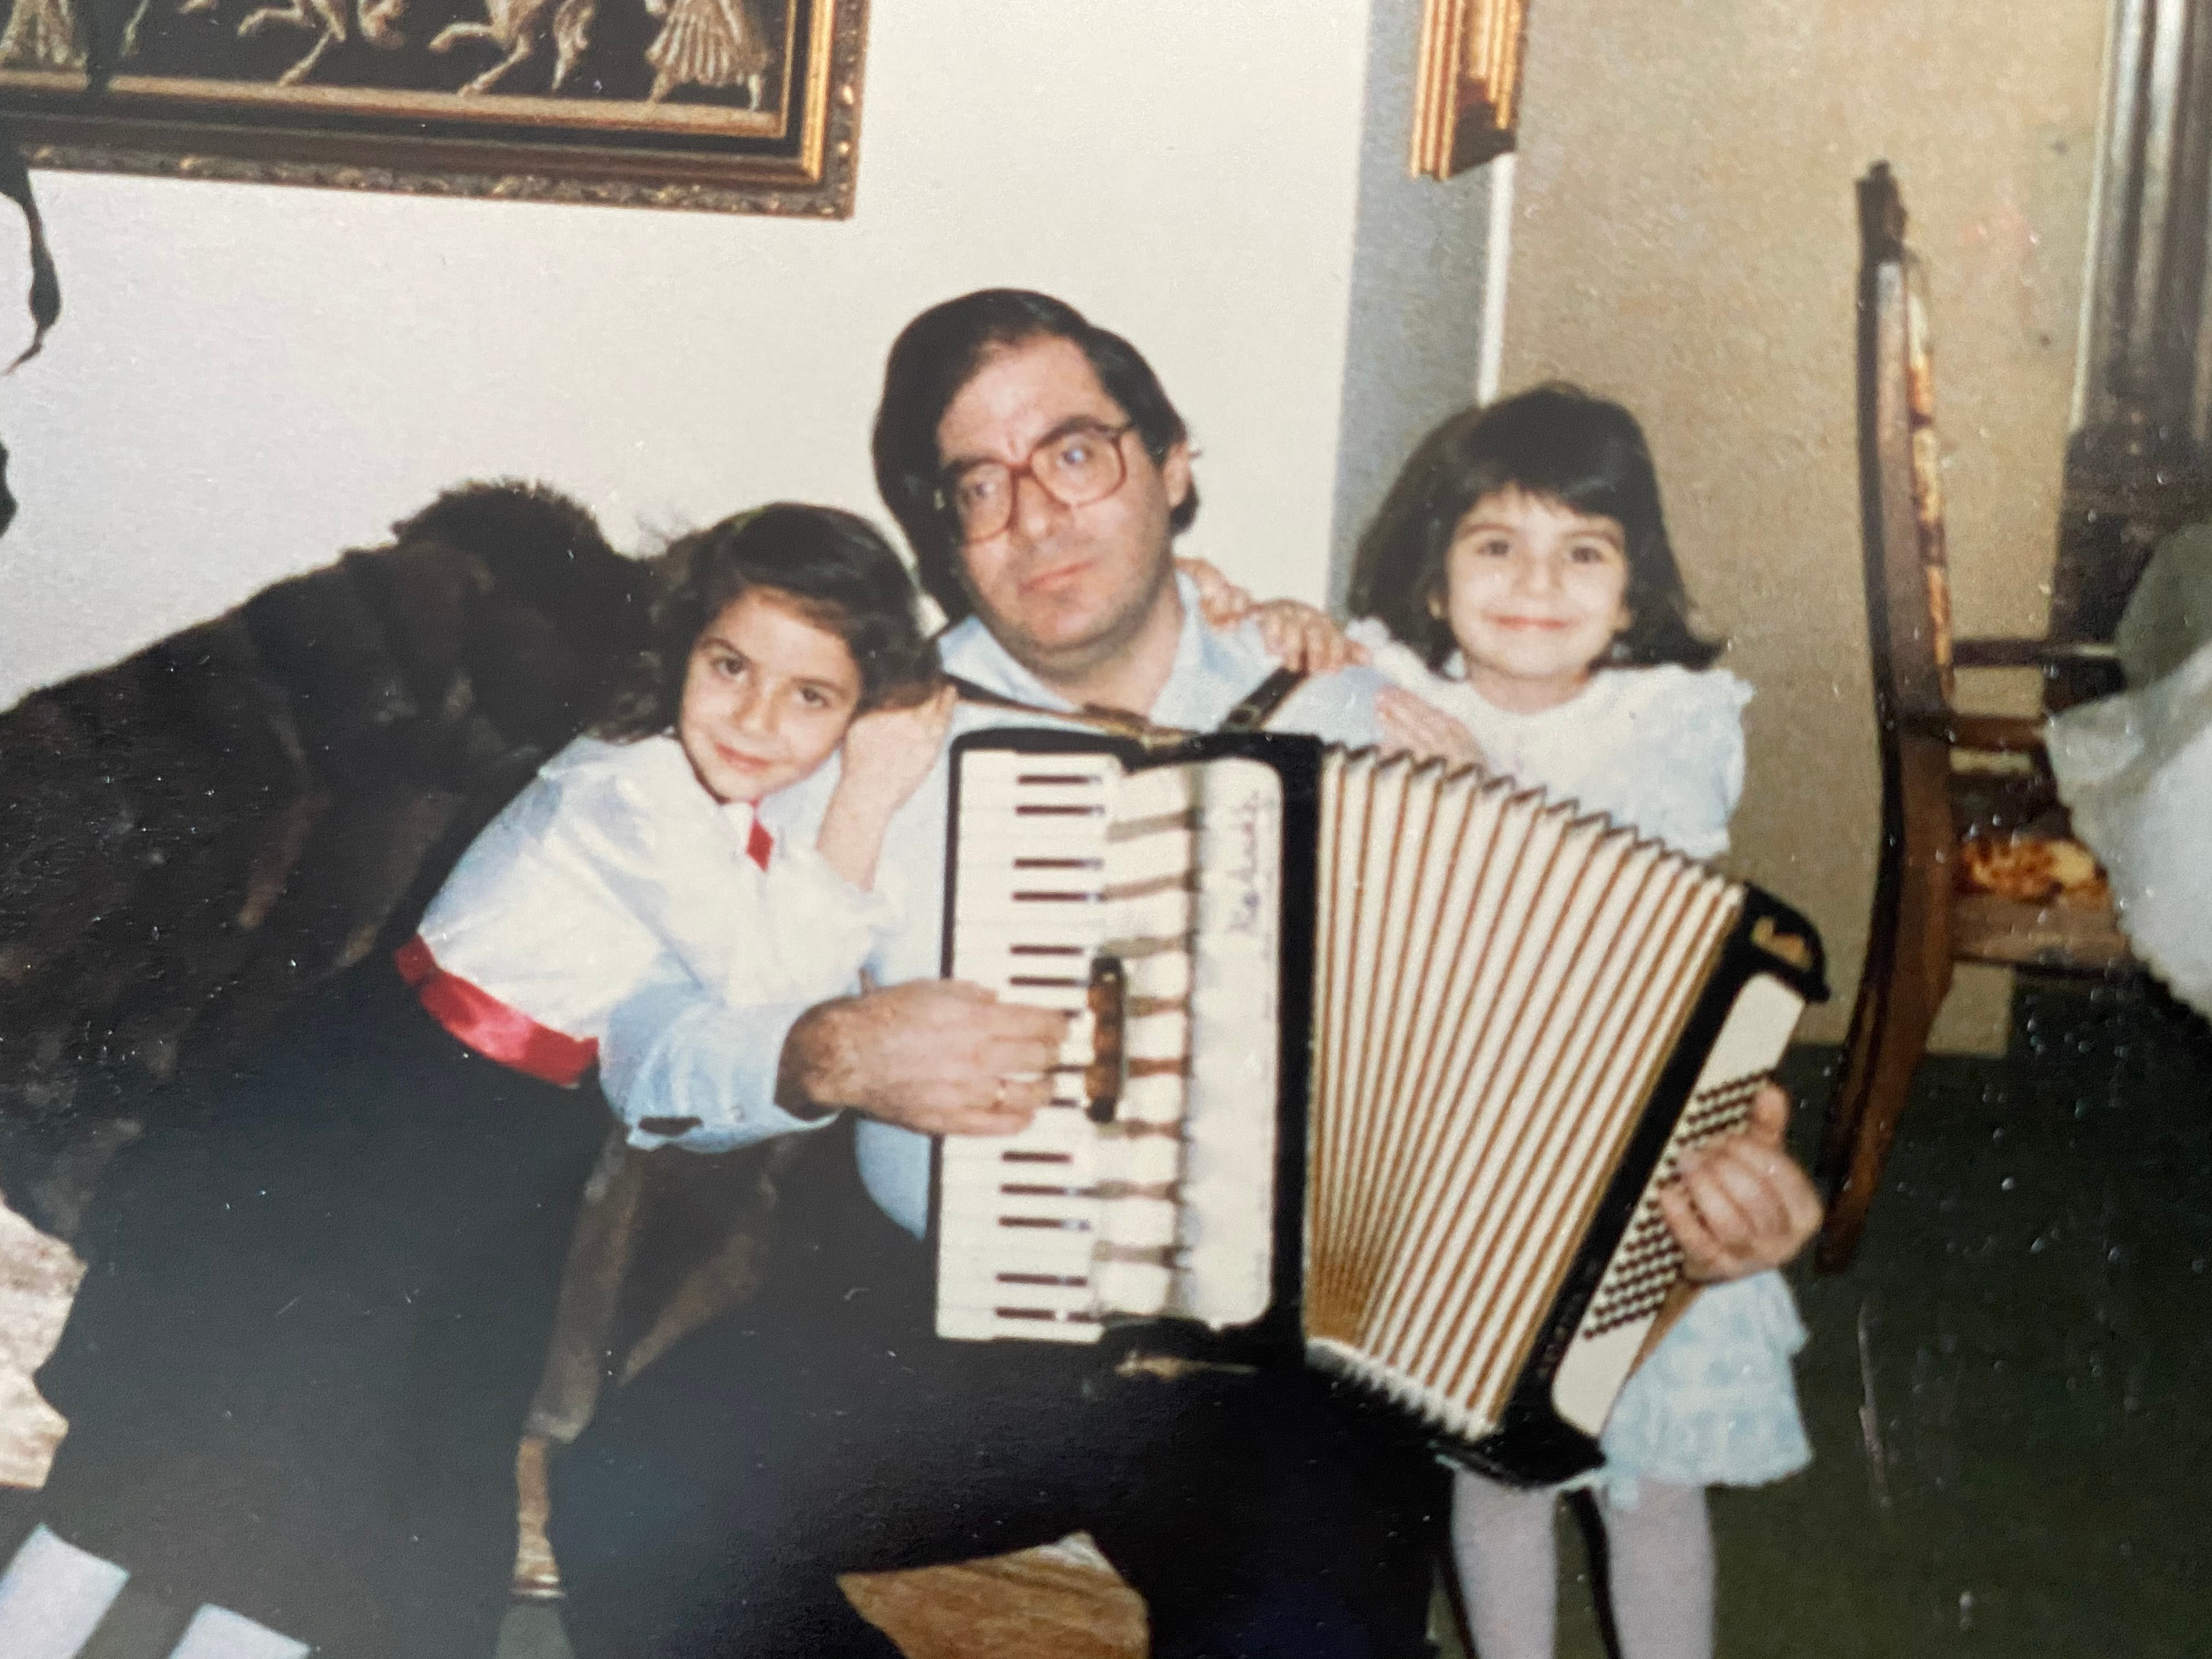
(2033, 899)
(2056, 934)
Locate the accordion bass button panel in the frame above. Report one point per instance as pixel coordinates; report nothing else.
(1646, 1266)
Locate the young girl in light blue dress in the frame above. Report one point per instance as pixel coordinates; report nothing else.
(1518, 590)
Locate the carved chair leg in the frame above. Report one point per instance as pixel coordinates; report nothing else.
(577, 1358)
(536, 1577)
(1905, 985)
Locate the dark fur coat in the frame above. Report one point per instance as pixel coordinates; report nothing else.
(194, 839)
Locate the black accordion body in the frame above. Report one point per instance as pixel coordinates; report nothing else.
(1372, 1059)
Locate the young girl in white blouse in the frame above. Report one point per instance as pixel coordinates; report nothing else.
(298, 1368)
(635, 853)
(1518, 589)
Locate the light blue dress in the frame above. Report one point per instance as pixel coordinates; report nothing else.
(1660, 748)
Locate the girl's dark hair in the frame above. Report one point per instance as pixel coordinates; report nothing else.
(1556, 442)
(831, 567)
(933, 359)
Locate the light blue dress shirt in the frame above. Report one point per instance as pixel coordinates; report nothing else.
(674, 1050)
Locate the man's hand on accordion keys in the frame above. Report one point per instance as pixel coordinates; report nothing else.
(937, 1056)
(1742, 1203)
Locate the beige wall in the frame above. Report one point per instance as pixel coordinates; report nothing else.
(1684, 240)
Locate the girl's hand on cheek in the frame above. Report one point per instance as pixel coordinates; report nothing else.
(889, 751)
(1299, 636)
(1414, 727)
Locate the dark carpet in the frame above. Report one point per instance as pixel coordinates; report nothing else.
(2010, 1394)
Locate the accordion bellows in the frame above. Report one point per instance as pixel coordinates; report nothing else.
(1390, 1059)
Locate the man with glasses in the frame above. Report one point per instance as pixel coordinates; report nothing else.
(1040, 475)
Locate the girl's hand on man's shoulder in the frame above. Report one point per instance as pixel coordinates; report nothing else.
(1299, 636)
(1296, 634)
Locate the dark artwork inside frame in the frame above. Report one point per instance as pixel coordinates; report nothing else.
(699, 103)
(722, 52)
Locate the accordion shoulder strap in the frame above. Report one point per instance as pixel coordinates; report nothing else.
(1120, 722)
(1249, 715)
(1260, 705)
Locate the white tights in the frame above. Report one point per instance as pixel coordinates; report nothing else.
(1660, 1556)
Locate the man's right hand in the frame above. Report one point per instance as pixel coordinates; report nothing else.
(937, 1056)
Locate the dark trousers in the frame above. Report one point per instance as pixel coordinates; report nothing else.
(315, 1312)
(709, 1506)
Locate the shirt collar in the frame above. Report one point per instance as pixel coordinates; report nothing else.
(1204, 662)
(748, 831)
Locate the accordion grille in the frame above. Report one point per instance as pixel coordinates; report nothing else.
(1500, 982)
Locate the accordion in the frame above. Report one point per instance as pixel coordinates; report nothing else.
(1372, 1059)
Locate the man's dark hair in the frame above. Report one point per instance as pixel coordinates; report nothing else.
(1556, 442)
(834, 569)
(937, 354)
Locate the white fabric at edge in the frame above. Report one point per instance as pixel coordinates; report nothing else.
(53, 1596)
(2135, 772)
(218, 1633)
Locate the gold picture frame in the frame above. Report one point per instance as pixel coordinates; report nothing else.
(1467, 89)
(727, 106)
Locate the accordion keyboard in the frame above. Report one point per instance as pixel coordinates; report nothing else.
(1018, 1215)
(1144, 904)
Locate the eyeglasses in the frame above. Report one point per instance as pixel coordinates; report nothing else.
(1080, 464)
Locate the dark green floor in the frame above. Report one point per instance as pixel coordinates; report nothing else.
(2028, 1334)
(2028, 1331)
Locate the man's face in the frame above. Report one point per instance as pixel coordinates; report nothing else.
(1063, 588)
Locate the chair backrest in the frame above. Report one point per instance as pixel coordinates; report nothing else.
(1900, 478)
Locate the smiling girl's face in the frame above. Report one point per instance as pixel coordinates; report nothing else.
(1533, 593)
(767, 697)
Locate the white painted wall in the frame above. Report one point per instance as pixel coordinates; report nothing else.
(247, 380)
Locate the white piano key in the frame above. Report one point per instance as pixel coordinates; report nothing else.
(1134, 1287)
(1063, 1213)
(1059, 1256)
(1139, 1223)
(986, 1324)
(1141, 1160)
(1157, 1036)
(1053, 1301)
(985, 1184)
(982, 1284)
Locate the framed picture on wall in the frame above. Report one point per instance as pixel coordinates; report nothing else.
(1467, 84)
(736, 106)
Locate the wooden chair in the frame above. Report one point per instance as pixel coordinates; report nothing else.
(1977, 862)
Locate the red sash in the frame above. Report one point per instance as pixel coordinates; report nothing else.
(491, 1028)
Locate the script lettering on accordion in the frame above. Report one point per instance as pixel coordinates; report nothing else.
(1168, 872)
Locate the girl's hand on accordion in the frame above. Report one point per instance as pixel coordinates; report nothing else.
(1742, 1205)
(937, 1056)
(1415, 726)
